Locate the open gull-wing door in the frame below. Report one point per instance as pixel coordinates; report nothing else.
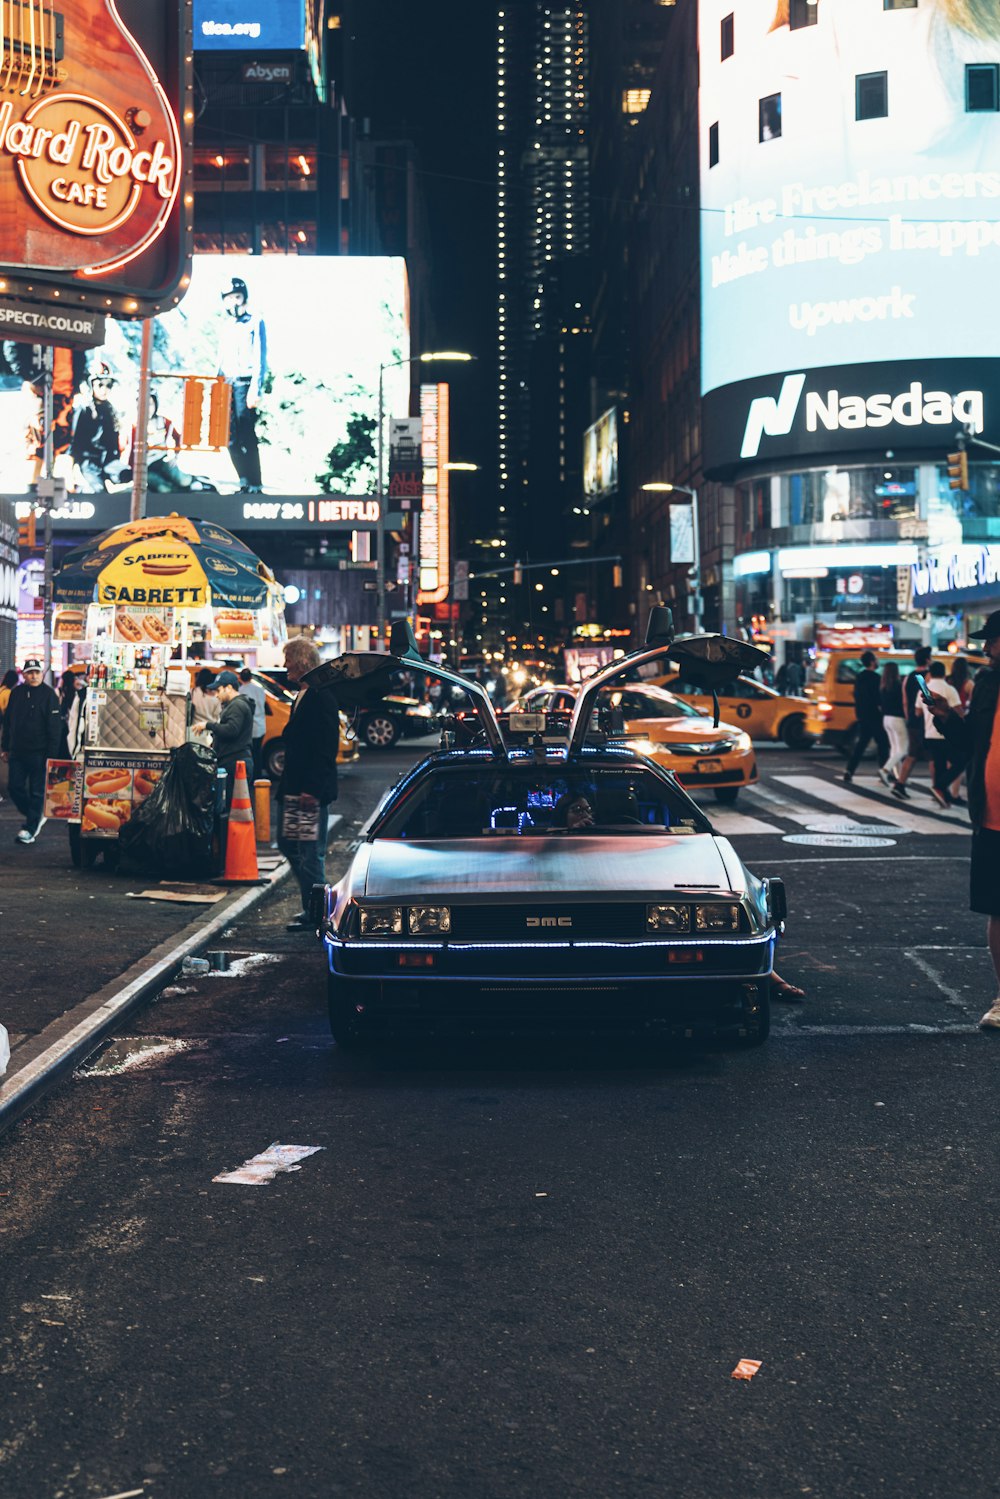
(708, 661)
(360, 679)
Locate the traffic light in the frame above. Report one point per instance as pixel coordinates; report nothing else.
(958, 470)
(194, 402)
(616, 575)
(26, 532)
(219, 408)
(518, 575)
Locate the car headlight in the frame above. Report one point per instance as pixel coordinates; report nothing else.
(382, 921)
(742, 742)
(428, 919)
(668, 918)
(423, 710)
(641, 746)
(717, 918)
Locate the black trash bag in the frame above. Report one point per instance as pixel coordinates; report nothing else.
(170, 834)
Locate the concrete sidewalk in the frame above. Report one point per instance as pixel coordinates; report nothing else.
(70, 932)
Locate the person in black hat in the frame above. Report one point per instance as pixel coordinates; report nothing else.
(32, 732)
(977, 738)
(243, 362)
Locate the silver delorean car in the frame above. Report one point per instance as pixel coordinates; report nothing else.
(513, 885)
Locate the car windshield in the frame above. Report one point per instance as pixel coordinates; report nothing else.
(651, 702)
(535, 801)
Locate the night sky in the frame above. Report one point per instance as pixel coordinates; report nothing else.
(427, 70)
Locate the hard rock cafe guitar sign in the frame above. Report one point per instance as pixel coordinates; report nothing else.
(92, 158)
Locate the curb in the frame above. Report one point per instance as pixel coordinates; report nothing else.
(57, 1049)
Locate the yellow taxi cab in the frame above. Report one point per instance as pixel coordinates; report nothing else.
(831, 717)
(670, 731)
(764, 712)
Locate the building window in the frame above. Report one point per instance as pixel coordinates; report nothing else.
(871, 96)
(634, 100)
(713, 144)
(802, 13)
(982, 86)
(769, 118)
(728, 38)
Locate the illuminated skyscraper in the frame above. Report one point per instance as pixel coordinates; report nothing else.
(543, 229)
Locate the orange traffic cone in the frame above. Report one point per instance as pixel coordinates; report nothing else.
(241, 842)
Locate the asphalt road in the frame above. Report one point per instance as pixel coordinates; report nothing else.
(523, 1270)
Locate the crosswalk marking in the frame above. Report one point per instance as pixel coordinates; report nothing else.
(958, 816)
(884, 811)
(740, 823)
(791, 802)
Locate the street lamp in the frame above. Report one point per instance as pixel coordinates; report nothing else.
(695, 573)
(444, 356)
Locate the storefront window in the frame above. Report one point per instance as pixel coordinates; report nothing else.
(821, 496)
(864, 593)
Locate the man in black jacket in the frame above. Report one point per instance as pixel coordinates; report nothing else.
(32, 733)
(868, 710)
(232, 731)
(311, 742)
(977, 737)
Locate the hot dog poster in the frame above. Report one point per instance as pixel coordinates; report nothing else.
(232, 627)
(142, 625)
(113, 785)
(63, 788)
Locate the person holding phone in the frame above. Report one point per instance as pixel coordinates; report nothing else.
(945, 764)
(914, 723)
(977, 736)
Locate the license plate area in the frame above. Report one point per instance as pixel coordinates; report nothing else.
(708, 767)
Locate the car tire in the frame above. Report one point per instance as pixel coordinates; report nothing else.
(380, 731)
(726, 794)
(344, 1024)
(274, 759)
(758, 1032)
(793, 732)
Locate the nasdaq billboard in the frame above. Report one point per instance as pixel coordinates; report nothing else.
(850, 186)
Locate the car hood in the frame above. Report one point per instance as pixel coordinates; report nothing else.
(680, 730)
(473, 870)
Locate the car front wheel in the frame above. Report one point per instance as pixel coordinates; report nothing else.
(726, 794)
(380, 731)
(274, 758)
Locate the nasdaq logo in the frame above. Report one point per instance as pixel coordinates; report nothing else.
(835, 412)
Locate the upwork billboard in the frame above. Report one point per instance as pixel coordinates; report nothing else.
(849, 199)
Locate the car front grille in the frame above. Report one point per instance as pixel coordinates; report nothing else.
(547, 923)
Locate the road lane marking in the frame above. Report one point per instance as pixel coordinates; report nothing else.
(740, 824)
(951, 996)
(913, 1029)
(263, 1168)
(957, 816)
(849, 801)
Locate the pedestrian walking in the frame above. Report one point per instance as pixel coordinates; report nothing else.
(960, 678)
(258, 697)
(232, 733)
(31, 733)
(793, 678)
(868, 711)
(977, 737)
(893, 721)
(7, 685)
(914, 722)
(312, 740)
(945, 762)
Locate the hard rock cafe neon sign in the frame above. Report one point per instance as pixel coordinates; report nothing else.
(87, 135)
(81, 165)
